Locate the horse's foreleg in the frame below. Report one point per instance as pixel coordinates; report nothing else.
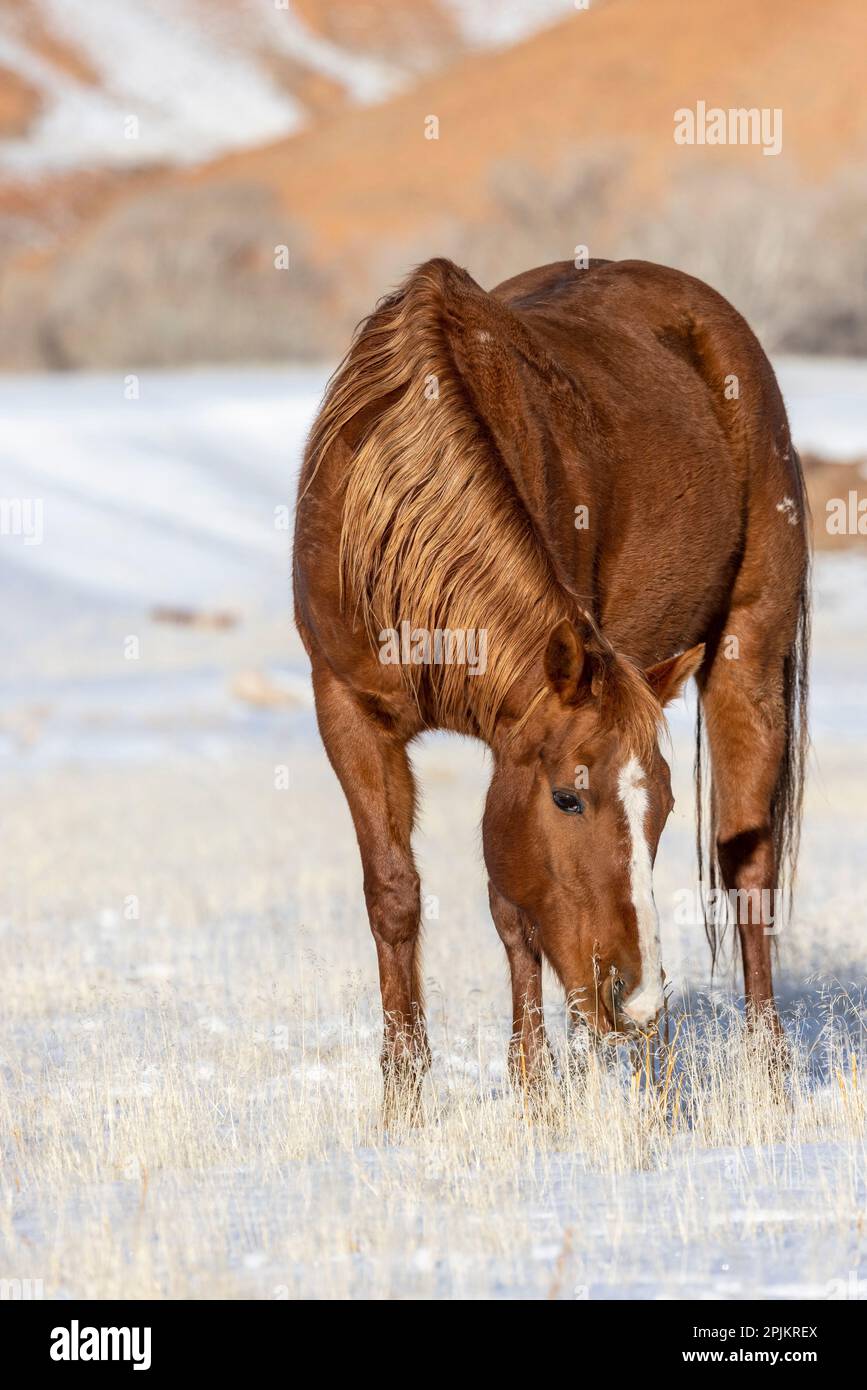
(528, 1048)
(746, 724)
(376, 778)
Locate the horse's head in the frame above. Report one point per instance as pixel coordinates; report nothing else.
(576, 807)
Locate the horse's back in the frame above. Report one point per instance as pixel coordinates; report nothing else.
(692, 457)
(626, 410)
(634, 324)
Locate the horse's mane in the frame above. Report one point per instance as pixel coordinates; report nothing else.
(433, 532)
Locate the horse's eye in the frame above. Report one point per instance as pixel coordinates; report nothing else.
(567, 801)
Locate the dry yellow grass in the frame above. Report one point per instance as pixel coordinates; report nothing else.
(190, 1097)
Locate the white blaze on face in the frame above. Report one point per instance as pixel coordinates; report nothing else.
(645, 1001)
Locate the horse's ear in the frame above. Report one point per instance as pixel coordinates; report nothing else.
(577, 659)
(564, 661)
(667, 678)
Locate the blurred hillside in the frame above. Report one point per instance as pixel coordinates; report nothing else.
(258, 127)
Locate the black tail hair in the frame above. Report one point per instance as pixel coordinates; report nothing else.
(788, 798)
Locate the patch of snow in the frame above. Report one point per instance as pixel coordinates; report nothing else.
(168, 499)
(366, 80)
(496, 23)
(197, 80)
(192, 98)
(826, 399)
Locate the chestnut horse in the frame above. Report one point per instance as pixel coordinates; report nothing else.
(585, 476)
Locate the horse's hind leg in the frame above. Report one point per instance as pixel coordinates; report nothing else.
(746, 717)
(376, 778)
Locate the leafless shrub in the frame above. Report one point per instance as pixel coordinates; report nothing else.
(791, 258)
(182, 275)
(187, 273)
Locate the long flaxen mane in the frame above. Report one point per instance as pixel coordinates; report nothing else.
(433, 533)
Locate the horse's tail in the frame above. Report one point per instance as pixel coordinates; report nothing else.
(789, 792)
(788, 797)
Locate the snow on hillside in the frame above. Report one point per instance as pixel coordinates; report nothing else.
(490, 23)
(180, 81)
(190, 96)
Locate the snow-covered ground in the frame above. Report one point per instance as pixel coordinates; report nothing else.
(190, 1021)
